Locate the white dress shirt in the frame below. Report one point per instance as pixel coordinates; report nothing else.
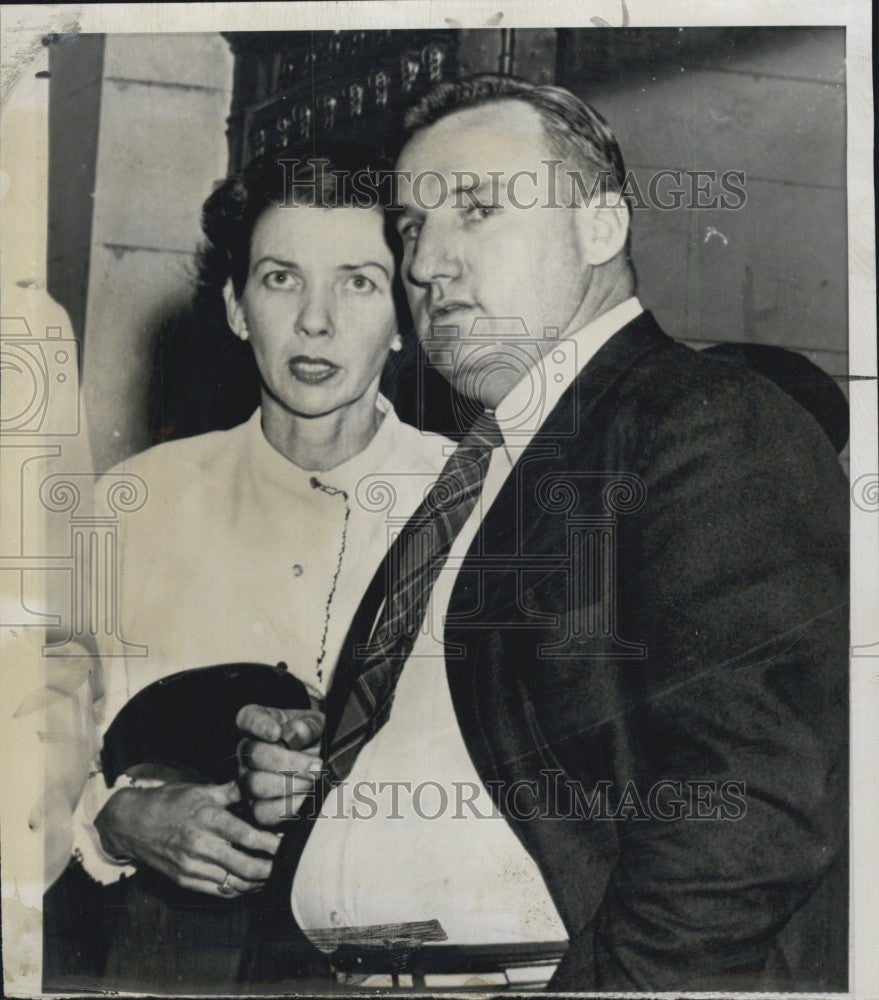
(238, 555)
(440, 850)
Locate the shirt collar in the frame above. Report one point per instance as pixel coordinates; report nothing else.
(522, 412)
(276, 470)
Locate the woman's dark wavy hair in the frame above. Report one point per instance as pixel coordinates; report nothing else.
(325, 175)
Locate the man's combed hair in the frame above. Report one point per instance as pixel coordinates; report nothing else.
(577, 133)
(328, 175)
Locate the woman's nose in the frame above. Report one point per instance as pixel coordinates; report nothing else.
(314, 319)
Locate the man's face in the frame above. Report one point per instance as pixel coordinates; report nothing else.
(474, 263)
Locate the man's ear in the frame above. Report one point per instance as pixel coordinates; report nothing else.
(234, 311)
(604, 226)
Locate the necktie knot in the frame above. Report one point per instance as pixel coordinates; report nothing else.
(485, 432)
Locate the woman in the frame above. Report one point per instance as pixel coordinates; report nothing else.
(256, 544)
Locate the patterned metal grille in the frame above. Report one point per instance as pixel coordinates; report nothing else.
(342, 84)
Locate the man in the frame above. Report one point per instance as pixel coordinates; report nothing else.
(636, 651)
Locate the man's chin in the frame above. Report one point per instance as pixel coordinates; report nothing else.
(483, 381)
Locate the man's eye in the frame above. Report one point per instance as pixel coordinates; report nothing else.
(360, 283)
(410, 231)
(477, 212)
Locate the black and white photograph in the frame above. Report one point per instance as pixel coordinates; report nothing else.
(440, 537)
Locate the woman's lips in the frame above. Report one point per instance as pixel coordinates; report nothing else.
(311, 370)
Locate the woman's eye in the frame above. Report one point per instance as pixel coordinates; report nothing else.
(278, 279)
(360, 283)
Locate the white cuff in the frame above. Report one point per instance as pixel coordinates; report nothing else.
(87, 847)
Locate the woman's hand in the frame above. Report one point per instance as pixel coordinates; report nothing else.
(186, 832)
(279, 765)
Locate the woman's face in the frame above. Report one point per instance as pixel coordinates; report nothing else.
(317, 306)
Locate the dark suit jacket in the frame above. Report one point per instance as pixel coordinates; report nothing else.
(649, 637)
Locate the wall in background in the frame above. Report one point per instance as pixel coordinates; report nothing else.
(137, 141)
(768, 102)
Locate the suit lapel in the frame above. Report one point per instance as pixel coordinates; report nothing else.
(491, 702)
(569, 439)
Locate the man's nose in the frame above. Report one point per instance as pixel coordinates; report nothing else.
(315, 317)
(434, 257)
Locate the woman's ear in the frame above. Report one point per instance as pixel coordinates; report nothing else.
(234, 312)
(603, 225)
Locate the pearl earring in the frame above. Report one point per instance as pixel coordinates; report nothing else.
(244, 333)
(397, 343)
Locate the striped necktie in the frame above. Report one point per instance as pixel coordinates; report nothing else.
(413, 563)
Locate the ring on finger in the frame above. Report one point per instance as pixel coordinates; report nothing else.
(224, 887)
